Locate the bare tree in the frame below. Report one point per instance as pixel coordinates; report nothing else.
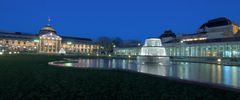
(132, 43)
(118, 42)
(106, 45)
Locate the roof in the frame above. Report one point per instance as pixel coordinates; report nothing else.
(222, 21)
(17, 35)
(28, 36)
(168, 33)
(75, 39)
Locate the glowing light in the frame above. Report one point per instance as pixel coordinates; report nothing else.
(129, 56)
(139, 44)
(9, 52)
(69, 42)
(68, 64)
(235, 29)
(97, 54)
(109, 55)
(35, 40)
(1, 53)
(219, 60)
(193, 39)
(160, 63)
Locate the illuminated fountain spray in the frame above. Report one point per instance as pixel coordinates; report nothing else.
(153, 52)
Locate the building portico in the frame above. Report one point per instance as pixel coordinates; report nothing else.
(49, 43)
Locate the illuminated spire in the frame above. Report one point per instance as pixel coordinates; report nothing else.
(49, 20)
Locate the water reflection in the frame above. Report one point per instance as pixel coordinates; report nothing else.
(209, 73)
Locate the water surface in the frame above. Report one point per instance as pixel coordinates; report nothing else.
(207, 73)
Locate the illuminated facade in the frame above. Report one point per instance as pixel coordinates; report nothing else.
(49, 41)
(216, 38)
(219, 37)
(46, 41)
(133, 51)
(223, 47)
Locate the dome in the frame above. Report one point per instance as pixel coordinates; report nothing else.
(47, 29)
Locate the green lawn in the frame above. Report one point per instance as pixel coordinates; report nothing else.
(30, 77)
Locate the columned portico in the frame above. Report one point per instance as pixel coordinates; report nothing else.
(49, 42)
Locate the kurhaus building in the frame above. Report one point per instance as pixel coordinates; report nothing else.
(218, 37)
(46, 41)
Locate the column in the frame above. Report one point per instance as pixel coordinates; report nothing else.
(40, 47)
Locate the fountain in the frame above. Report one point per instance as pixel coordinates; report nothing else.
(153, 53)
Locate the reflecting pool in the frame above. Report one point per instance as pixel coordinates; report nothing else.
(207, 73)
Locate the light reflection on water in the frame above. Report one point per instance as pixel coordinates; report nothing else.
(208, 73)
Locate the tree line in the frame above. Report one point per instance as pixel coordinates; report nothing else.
(108, 44)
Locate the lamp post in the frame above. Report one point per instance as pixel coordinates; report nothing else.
(139, 44)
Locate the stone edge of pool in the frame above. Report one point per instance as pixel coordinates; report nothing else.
(210, 85)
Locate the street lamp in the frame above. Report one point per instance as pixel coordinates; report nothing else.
(139, 44)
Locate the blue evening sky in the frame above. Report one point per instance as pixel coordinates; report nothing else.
(127, 19)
